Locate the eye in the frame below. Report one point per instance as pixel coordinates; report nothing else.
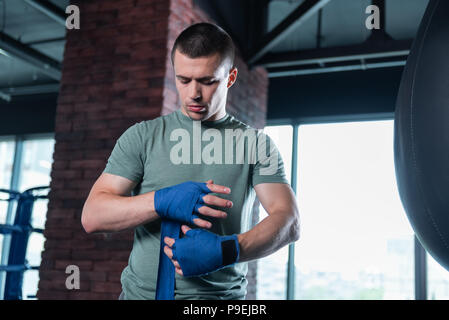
(208, 83)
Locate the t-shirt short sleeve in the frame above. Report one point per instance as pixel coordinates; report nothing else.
(127, 158)
(269, 167)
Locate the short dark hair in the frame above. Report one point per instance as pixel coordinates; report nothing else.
(202, 40)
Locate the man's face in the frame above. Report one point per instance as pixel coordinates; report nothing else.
(202, 85)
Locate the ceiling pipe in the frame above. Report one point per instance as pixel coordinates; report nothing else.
(17, 49)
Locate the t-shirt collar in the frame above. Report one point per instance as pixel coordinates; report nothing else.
(184, 118)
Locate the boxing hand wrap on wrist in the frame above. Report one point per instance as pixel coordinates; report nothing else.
(201, 252)
(181, 201)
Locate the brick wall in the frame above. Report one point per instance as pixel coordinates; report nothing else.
(116, 72)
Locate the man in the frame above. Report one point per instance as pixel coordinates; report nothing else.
(173, 180)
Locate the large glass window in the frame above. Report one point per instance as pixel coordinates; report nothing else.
(33, 160)
(35, 172)
(437, 280)
(272, 270)
(7, 146)
(356, 241)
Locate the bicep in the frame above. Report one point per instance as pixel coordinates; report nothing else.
(113, 184)
(276, 197)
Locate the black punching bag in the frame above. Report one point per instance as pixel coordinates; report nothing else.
(421, 133)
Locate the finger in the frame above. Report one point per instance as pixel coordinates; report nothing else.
(206, 211)
(202, 223)
(185, 228)
(217, 201)
(169, 241)
(168, 252)
(216, 188)
(178, 271)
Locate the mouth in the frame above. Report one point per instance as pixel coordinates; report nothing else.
(196, 108)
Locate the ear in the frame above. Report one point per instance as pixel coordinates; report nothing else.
(232, 76)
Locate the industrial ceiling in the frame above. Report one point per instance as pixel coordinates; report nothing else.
(288, 37)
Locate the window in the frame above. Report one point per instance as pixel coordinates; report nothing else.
(437, 280)
(35, 172)
(356, 241)
(272, 270)
(26, 163)
(7, 146)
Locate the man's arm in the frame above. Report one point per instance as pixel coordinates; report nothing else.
(110, 207)
(280, 228)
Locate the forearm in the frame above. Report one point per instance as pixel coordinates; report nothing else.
(268, 236)
(106, 212)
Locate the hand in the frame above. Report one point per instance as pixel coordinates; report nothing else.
(180, 202)
(201, 252)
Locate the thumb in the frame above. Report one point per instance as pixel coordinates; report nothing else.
(185, 228)
(210, 181)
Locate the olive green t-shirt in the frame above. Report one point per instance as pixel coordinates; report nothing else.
(172, 149)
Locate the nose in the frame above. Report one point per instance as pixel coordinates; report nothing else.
(195, 90)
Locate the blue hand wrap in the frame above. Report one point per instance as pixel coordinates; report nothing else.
(175, 205)
(179, 202)
(201, 252)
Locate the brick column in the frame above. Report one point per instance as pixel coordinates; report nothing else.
(116, 72)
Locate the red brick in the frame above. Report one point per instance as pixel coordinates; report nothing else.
(57, 212)
(114, 244)
(60, 165)
(83, 295)
(108, 287)
(83, 265)
(110, 265)
(52, 254)
(93, 255)
(57, 233)
(60, 285)
(120, 254)
(56, 223)
(86, 164)
(94, 275)
(43, 294)
(53, 275)
(70, 194)
(80, 184)
(60, 244)
(72, 204)
(92, 173)
(114, 277)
